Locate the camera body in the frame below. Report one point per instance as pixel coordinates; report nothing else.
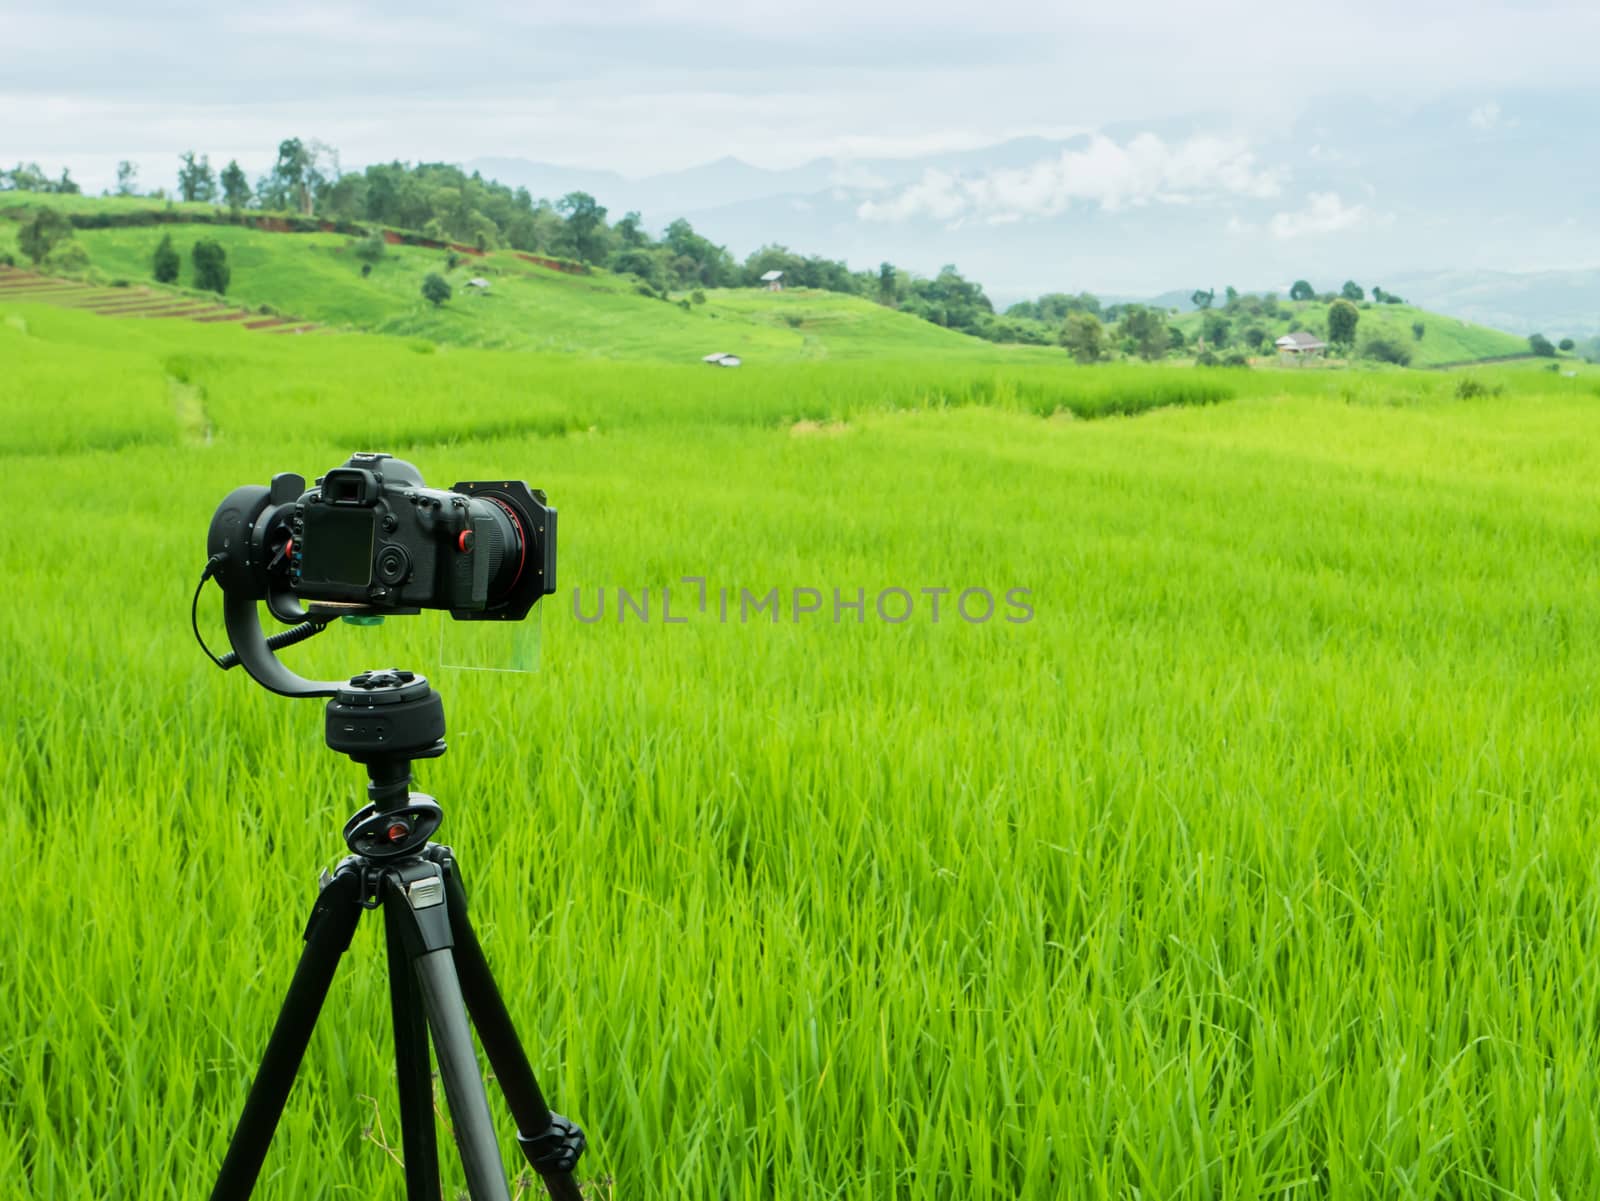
(370, 537)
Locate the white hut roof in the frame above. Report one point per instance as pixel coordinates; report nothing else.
(770, 276)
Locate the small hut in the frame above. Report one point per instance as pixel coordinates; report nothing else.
(1299, 346)
(773, 280)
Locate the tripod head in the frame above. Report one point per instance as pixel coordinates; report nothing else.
(384, 720)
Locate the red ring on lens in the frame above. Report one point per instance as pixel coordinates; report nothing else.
(522, 541)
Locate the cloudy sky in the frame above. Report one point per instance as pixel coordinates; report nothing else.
(1200, 99)
(647, 87)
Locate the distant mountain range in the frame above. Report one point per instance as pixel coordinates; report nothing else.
(1480, 206)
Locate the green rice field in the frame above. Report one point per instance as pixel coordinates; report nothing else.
(1260, 862)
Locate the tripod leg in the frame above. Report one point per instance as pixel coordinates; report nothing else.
(550, 1142)
(417, 1134)
(428, 938)
(328, 932)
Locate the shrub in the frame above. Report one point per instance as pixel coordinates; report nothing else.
(39, 237)
(1385, 349)
(68, 258)
(1566, 344)
(1418, 329)
(1470, 387)
(1205, 359)
(371, 249)
(1236, 360)
(164, 263)
(435, 289)
(1084, 337)
(211, 272)
(698, 296)
(1541, 346)
(1342, 319)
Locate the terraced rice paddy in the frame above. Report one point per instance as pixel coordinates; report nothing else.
(1259, 862)
(27, 287)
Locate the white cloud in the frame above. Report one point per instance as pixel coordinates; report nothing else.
(937, 194)
(1106, 173)
(1324, 213)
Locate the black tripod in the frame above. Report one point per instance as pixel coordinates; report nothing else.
(437, 971)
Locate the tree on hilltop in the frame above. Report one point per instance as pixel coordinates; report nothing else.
(888, 283)
(235, 187)
(1202, 300)
(585, 225)
(1352, 290)
(1301, 290)
(1541, 346)
(127, 179)
(29, 177)
(196, 181)
(298, 177)
(631, 230)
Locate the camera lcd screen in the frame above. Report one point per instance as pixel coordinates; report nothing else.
(336, 546)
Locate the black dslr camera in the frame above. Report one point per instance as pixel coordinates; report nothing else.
(371, 534)
(371, 538)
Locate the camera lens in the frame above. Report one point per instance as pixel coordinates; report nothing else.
(502, 542)
(394, 565)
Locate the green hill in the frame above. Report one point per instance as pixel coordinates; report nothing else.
(317, 276)
(1444, 339)
(527, 306)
